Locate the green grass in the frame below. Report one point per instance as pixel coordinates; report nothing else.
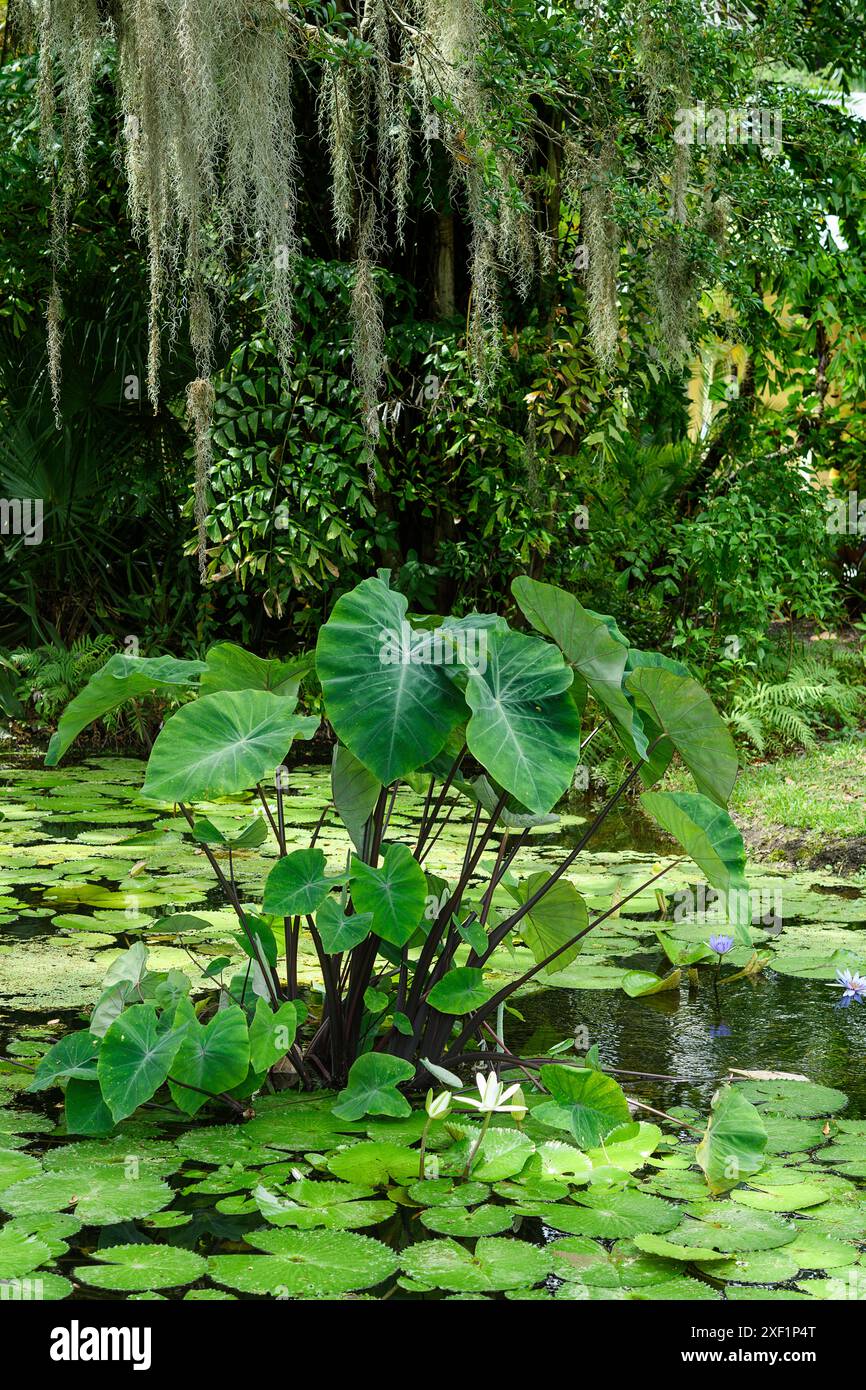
(821, 791)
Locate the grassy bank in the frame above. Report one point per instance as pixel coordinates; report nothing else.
(807, 808)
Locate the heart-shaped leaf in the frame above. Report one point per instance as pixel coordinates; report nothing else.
(222, 744)
(253, 834)
(593, 1103)
(298, 884)
(339, 931)
(460, 991)
(555, 919)
(272, 1033)
(212, 1057)
(524, 729)
(733, 1145)
(229, 667)
(75, 1055)
(684, 712)
(707, 834)
(122, 678)
(387, 701)
(394, 894)
(587, 643)
(135, 1059)
(372, 1087)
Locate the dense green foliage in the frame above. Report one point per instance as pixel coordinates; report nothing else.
(581, 457)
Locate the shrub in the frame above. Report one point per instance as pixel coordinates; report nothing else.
(466, 707)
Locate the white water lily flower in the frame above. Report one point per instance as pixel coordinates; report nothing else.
(437, 1107)
(493, 1096)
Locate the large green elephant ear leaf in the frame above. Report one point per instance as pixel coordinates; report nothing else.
(657, 761)
(683, 712)
(372, 1088)
(298, 884)
(222, 744)
(555, 920)
(135, 1059)
(394, 894)
(586, 1102)
(122, 678)
(525, 728)
(390, 704)
(213, 1057)
(709, 836)
(229, 667)
(705, 831)
(588, 644)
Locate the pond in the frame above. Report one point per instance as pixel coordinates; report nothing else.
(87, 869)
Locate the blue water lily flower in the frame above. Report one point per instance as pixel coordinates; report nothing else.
(721, 944)
(853, 984)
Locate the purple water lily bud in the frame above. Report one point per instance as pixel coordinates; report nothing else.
(721, 944)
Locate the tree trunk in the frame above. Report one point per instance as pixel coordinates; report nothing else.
(443, 289)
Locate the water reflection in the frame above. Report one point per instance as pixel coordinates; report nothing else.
(774, 1022)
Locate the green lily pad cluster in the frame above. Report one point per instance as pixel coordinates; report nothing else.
(301, 1202)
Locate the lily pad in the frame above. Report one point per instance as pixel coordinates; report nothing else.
(130, 1268)
(442, 1192)
(795, 1099)
(757, 1267)
(790, 1197)
(305, 1262)
(614, 1215)
(814, 1250)
(501, 1154)
(101, 1198)
(20, 1254)
(15, 1167)
(496, 1263)
(335, 1216)
(657, 1245)
(487, 1220)
(375, 1163)
(40, 1287)
(627, 1148)
(731, 1228)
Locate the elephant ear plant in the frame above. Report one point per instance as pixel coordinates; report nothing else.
(458, 708)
